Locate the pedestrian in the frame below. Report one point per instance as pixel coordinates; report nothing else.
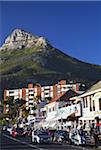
(95, 135)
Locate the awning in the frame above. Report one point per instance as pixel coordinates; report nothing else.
(46, 124)
(87, 118)
(59, 115)
(69, 123)
(98, 115)
(51, 117)
(52, 125)
(64, 116)
(64, 113)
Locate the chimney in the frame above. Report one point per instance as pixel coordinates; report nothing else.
(77, 87)
(30, 85)
(38, 87)
(62, 82)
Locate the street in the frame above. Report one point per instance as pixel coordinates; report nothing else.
(9, 143)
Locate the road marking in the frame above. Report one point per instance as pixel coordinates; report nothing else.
(30, 145)
(38, 148)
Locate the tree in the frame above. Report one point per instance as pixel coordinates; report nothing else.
(15, 105)
(37, 99)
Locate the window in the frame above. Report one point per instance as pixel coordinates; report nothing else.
(11, 92)
(31, 94)
(86, 102)
(75, 108)
(46, 93)
(83, 103)
(30, 99)
(93, 105)
(99, 103)
(49, 109)
(30, 90)
(53, 109)
(30, 103)
(90, 104)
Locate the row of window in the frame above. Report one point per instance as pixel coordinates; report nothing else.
(91, 103)
(51, 109)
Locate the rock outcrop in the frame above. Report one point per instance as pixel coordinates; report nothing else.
(21, 39)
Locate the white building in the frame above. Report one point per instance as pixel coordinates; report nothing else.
(59, 108)
(91, 105)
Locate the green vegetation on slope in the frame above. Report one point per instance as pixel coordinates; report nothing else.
(48, 65)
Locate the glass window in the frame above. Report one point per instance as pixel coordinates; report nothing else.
(93, 105)
(11, 92)
(90, 104)
(86, 102)
(53, 109)
(99, 103)
(30, 90)
(49, 109)
(31, 94)
(83, 103)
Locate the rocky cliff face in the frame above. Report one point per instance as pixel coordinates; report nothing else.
(21, 39)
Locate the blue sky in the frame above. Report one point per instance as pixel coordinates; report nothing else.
(72, 27)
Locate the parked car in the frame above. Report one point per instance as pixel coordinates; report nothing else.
(39, 136)
(89, 139)
(21, 132)
(9, 130)
(61, 136)
(15, 132)
(78, 137)
(51, 133)
(12, 131)
(99, 136)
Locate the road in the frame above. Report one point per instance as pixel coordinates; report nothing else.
(9, 143)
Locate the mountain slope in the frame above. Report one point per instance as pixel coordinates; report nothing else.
(25, 58)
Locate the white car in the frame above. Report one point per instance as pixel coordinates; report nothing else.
(40, 137)
(10, 129)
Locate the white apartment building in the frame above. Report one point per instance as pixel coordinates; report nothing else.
(42, 92)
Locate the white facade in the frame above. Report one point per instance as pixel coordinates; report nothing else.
(46, 92)
(91, 105)
(55, 112)
(16, 93)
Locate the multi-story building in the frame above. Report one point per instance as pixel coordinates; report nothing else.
(91, 105)
(36, 92)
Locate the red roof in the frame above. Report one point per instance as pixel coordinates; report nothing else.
(57, 98)
(64, 96)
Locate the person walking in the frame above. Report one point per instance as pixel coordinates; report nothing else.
(95, 135)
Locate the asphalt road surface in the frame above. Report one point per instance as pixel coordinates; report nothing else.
(9, 143)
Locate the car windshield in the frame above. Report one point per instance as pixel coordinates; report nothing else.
(61, 133)
(43, 133)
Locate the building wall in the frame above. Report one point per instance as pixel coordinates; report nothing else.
(90, 105)
(44, 92)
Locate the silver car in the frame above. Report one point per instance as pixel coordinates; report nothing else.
(77, 138)
(41, 137)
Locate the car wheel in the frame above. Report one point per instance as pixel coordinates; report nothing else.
(35, 140)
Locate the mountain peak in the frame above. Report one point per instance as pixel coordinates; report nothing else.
(21, 39)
